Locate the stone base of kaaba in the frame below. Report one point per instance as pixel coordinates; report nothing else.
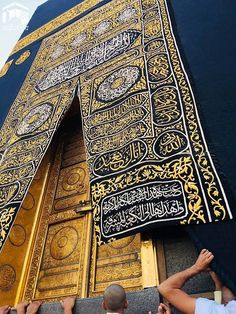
(140, 302)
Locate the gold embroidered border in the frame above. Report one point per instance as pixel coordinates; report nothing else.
(54, 24)
(203, 158)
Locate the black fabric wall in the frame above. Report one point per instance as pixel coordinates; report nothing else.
(206, 33)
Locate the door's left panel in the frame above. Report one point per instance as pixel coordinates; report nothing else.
(16, 251)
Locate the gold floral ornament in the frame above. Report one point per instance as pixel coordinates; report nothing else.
(25, 55)
(5, 68)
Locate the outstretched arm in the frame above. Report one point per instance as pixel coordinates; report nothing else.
(68, 304)
(171, 288)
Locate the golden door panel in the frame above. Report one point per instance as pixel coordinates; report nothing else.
(17, 247)
(74, 149)
(120, 262)
(73, 182)
(56, 268)
(62, 262)
(74, 152)
(73, 186)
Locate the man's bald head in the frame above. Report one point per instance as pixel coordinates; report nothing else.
(115, 299)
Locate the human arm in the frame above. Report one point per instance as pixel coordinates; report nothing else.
(171, 288)
(227, 294)
(5, 309)
(68, 304)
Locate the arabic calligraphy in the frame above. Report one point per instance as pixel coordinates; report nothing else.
(6, 68)
(27, 144)
(7, 193)
(139, 121)
(23, 57)
(88, 60)
(22, 158)
(152, 28)
(158, 201)
(170, 143)
(12, 175)
(118, 83)
(120, 159)
(35, 118)
(120, 139)
(113, 127)
(155, 46)
(116, 112)
(166, 106)
(158, 68)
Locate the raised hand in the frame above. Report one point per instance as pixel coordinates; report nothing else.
(21, 307)
(68, 304)
(203, 261)
(33, 307)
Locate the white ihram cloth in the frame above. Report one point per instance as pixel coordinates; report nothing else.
(205, 306)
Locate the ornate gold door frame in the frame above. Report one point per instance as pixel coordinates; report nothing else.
(63, 257)
(66, 259)
(61, 249)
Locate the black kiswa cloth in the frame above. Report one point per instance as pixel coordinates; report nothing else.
(220, 239)
(141, 158)
(205, 30)
(132, 193)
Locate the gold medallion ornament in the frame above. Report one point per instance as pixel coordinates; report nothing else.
(25, 55)
(6, 68)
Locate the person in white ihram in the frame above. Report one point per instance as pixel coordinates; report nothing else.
(171, 290)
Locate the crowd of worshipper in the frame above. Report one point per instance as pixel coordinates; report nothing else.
(115, 301)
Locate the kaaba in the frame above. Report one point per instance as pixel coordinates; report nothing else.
(117, 161)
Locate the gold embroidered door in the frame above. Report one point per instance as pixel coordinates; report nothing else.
(59, 257)
(66, 259)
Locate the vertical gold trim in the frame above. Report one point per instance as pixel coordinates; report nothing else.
(161, 261)
(30, 250)
(149, 263)
(87, 256)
